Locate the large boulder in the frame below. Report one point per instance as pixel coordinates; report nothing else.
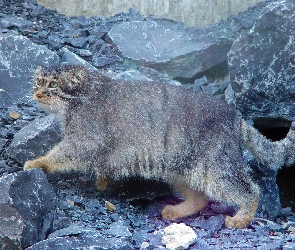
(19, 58)
(35, 139)
(169, 47)
(261, 64)
(26, 210)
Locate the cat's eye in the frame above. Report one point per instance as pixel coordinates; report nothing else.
(38, 82)
(53, 84)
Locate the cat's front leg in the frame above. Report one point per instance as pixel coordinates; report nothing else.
(40, 162)
(63, 157)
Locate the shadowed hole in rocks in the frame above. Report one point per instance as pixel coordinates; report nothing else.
(215, 73)
(275, 130)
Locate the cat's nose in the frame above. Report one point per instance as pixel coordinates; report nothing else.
(38, 96)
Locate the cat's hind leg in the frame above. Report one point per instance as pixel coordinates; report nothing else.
(236, 187)
(194, 202)
(245, 194)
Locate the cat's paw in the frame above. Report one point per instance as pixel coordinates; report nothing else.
(236, 223)
(33, 164)
(170, 213)
(101, 184)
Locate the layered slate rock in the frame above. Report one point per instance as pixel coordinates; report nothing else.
(19, 58)
(35, 139)
(261, 64)
(83, 241)
(26, 210)
(169, 47)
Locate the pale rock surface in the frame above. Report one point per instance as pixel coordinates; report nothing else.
(178, 236)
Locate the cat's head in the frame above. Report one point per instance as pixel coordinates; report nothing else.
(55, 85)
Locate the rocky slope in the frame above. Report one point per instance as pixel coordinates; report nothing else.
(246, 61)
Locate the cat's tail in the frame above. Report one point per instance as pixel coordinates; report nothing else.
(273, 154)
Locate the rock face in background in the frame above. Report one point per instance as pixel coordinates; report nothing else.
(193, 13)
(261, 64)
(192, 56)
(25, 209)
(19, 58)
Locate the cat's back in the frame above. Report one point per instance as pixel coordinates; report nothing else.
(149, 108)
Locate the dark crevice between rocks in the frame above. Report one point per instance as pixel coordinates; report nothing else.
(214, 74)
(277, 130)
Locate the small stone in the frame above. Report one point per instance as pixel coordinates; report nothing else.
(110, 206)
(211, 89)
(288, 224)
(119, 229)
(291, 229)
(72, 58)
(101, 61)
(78, 42)
(178, 236)
(84, 52)
(289, 245)
(14, 115)
(70, 203)
(144, 245)
(2, 143)
(267, 223)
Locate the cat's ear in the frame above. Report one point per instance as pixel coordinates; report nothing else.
(38, 71)
(36, 75)
(78, 75)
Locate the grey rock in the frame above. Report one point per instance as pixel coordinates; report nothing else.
(2, 143)
(79, 22)
(37, 10)
(35, 139)
(54, 42)
(270, 224)
(212, 224)
(11, 227)
(78, 42)
(72, 58)
(211, 89)
(13, 21)
(119, 229)
(19, 59)
(25, 209)
(128, 75)
(289, 245)
(178, 236)
(169, 48)
(101, 61)
(261, 64)
(70, 231)
(201, 82)
(84, 52)
(86, 241)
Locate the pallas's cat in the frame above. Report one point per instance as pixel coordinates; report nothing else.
(157, 131)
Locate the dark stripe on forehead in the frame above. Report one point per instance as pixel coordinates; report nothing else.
(58, 68)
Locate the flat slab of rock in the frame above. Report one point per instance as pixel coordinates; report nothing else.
(25, 209)
(19, 58)
(261, 64)
(168, 47)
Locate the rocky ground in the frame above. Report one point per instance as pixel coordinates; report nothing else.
(65, 211)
